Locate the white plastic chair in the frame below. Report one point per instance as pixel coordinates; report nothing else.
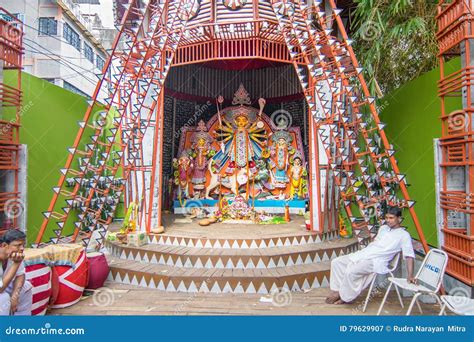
(428, 279)
(458, 304)
(392, 266)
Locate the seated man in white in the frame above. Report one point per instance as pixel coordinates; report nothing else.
(350, 274)
(15, 292)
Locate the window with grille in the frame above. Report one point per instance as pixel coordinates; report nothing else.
(72, 37)
(70, 87)
(88, 53)
(99, 62)
(48, 26)
(11, 19)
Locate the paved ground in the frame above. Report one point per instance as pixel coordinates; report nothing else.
(117, 299)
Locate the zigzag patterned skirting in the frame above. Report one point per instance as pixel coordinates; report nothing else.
(256, 284)
(229, 259)
(228, 265)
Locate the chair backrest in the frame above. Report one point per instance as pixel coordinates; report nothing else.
(393, 264)
(432, 269)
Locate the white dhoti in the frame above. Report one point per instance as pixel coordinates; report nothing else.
(350, 278)
(25, 300)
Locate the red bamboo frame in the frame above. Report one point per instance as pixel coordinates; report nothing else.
(455, 26)
(11, 53)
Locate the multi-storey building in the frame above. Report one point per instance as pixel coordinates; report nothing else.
(59, 43)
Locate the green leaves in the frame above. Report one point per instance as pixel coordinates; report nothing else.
(394, 40)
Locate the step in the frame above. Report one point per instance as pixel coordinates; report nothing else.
(203, 240)
(228, 258)
(184, 279)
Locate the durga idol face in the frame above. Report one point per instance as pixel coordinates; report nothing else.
(281, 142)
(201, 142)
(241, 121)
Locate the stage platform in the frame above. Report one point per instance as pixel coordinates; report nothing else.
(179, 225)
(229, 258)
(270, 206)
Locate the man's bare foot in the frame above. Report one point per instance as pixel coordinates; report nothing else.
(332, 299)
(339, 301)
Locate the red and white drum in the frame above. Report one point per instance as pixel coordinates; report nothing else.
(41, 277)
(72, 281)
(98, 270)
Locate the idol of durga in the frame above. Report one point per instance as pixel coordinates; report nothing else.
(242, 134)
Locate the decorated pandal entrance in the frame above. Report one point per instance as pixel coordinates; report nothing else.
(240, 165)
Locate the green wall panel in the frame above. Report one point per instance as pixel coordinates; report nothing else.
(412, 115)
(49, 126)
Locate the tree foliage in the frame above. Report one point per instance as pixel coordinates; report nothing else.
(395, 40)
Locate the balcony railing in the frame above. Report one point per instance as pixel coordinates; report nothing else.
(76, 12)
(11, 39)
(450, 13)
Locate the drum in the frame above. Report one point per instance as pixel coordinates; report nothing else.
(98, 270)
(41, 278)
(72, 281)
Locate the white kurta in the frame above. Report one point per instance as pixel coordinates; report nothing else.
(352, 273)
(25, 299)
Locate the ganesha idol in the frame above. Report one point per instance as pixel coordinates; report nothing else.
(182, 173)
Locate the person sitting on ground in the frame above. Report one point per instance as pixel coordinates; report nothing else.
(351, 273)
(15, 292)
